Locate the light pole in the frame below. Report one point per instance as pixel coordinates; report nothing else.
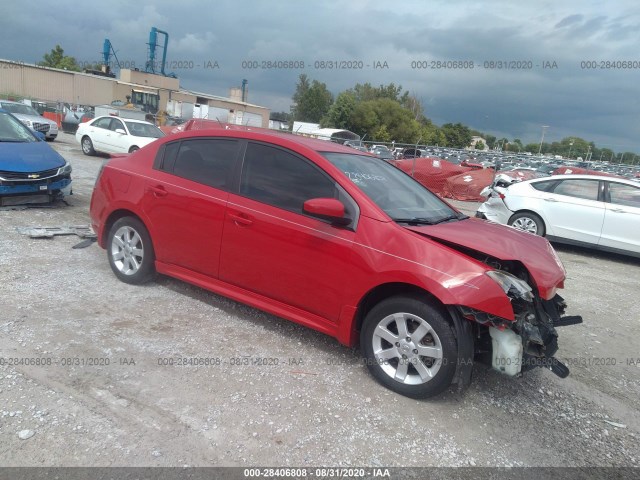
(570, 147)
(544, 127)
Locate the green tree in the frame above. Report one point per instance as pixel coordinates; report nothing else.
(365, 92)
(457, 135)
(491, 141)
(57, 59)
(311, 100)
(339, 115)
(479, 145)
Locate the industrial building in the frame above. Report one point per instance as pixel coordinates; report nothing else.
(53, 85)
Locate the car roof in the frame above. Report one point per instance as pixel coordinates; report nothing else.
(582, 177)
(256, 133)
(124, 119)
(11, 101)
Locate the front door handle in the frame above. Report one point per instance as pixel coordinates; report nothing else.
(550, 200)
(241, 219)
(158, 191)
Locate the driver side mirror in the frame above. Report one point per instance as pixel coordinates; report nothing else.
(120, 131)
(327, 209)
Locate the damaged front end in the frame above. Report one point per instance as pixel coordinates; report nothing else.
(530, 340)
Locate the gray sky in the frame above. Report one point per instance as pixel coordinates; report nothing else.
(597, 104)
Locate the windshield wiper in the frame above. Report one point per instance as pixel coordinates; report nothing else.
(455, 216)
(427, 221)
(414, 221)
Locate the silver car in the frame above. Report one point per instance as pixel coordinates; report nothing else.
(31, 118)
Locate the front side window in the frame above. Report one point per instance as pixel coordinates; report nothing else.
(116, 124)
(276, 177)
(585, 189)
(622, 194)
(207, 161)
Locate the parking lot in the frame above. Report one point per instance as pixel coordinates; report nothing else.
(171, 375)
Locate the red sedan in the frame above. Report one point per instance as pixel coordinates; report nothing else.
(341, 242)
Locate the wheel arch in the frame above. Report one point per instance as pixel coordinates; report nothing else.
(545, 224)
(117, 215)
(392, 289)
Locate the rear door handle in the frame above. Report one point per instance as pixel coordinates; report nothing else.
(241, 219)
(158, 191)
(550, 200)
(618, 210)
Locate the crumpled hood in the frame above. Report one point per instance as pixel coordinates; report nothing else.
(28, 157)
(504, 243)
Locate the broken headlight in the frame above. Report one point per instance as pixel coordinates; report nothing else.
(513, 286)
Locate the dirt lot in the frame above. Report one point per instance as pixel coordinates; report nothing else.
(105, 395)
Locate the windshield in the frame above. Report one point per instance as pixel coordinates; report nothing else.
(19, 109)
(144, 130)
(12, 130)
(399, 195)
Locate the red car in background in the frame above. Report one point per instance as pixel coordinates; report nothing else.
(338, 241)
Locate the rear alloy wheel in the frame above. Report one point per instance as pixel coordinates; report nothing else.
(409, 347)
(529, 222)
(130, 251)
(87, 146)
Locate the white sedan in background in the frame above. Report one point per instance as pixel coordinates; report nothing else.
(115, 135)
(589, 210)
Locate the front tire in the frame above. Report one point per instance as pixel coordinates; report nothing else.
(409, 346)
(87, 146)
(130, 251)
(134, 149)
(529, 222)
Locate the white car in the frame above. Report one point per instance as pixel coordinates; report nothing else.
(115, 135)
(31, 118)
(590, 210)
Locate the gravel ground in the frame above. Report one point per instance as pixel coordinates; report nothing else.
(103, 394)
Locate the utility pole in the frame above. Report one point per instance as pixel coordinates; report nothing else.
(544, 127)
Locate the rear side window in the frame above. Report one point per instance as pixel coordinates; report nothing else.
(102, 123)
(273, 176)
(546, 186)
(207, 161)
(586, 189)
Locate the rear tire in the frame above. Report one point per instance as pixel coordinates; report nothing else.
(528, 222)
(134, 149)
(409, 346)
(87, 146)
(130, 251)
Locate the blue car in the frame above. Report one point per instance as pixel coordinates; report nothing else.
(30, 170)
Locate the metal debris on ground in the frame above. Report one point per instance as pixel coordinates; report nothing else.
(82, 231)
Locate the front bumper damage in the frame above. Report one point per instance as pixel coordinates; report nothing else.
(514, 347)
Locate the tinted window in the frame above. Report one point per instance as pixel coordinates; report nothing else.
(115, 124)
(206, 161)
(622, 194)
(102, 122)
(273, 176)
(587, 189)
(546, 186)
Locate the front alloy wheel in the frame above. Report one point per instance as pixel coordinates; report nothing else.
(409, 346)
(87, 146)
(130, 251)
